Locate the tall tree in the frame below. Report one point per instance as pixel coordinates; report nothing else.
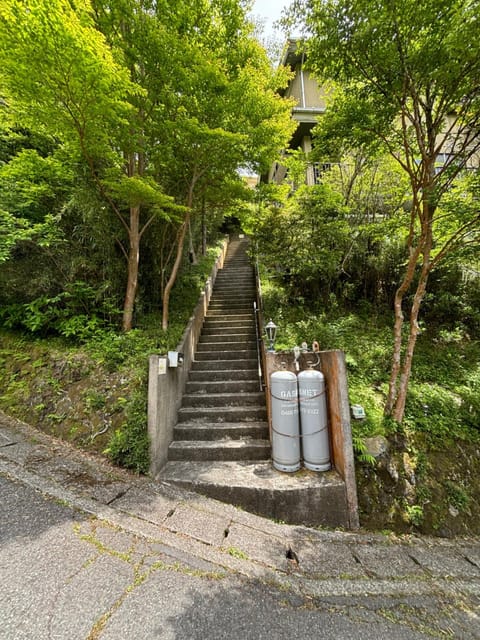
(410, 78)
(226, 115)
(156, 97)
(61, 75)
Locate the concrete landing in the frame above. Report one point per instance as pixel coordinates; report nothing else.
(305, 497)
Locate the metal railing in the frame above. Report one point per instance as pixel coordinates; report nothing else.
(259, 326)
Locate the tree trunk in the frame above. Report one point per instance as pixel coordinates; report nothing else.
(178, 259)
(397, 332)
(191, 248)
(204, 229)
(399, 408)
(173, 274)
(397, 392)
(132, 271)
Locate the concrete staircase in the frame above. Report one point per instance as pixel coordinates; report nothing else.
(221, 445)
(223, 413)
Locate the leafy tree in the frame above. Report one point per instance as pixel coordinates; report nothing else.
(60, 76)
(306, 239)
(34, 183)
(409, 74)
(161, 102)
(230, 116)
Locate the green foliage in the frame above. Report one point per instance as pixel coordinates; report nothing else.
(415, 514)
(405, 82)
(453, 301)
(129, 446)
(75, 313)
(341, 241)
(33, 186)
(235, 552)
(94, 399)
(149, 117)
(443, 401)
(435, 410)
(82, 95)
(138, 191)
(360, 451)
(12, 231)
(191, 282)
(305, 241)
(457, 495)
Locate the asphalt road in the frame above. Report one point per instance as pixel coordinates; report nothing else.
(66, 575)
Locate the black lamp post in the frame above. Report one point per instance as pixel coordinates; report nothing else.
(271, 331)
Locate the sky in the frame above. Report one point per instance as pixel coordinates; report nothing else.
(270, 10)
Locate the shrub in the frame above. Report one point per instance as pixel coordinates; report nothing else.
(129, 445)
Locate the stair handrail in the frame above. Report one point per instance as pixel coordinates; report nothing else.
(259, 323)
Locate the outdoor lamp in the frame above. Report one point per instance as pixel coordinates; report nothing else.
(296, 355)
(271, 331)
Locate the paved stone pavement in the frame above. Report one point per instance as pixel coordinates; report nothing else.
(91, 551)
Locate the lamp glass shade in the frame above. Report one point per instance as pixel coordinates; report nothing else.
(271, 331)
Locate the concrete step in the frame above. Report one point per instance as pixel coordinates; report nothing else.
(234, 279)
(305, 497)
(222, 430)
(223, 375)
(222, 386)
(242, 449)
(222, 414)
(218, 325)
(241, 288)
(232, 282)
(225, 365)
(230, 345)
(212, 325)
(240, 256)
(231, 354)
(241, 312)
(229, 399)
(235, 265)
(238, 307)
(224, 333)
(232, 296)
(233, 299)
(229, 338)
(238, 319)
(224, 278)
(226, 314)
(229, 272)
(248, 288)
(229, 334)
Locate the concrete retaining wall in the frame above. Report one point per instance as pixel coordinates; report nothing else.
(166, 385)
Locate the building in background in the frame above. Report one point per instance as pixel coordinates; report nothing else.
(310, 105)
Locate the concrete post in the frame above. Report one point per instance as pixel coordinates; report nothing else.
(335, 371)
